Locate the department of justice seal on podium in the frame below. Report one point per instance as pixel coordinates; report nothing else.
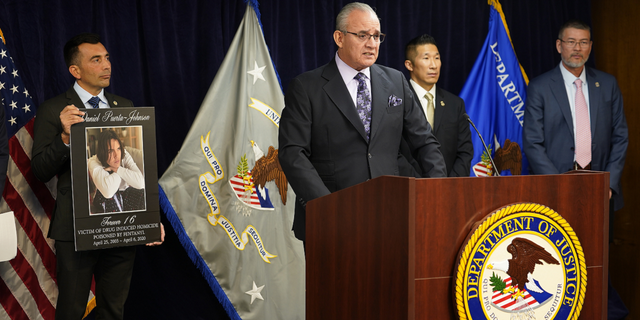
(523, 261)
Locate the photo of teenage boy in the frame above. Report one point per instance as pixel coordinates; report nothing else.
(118, 180)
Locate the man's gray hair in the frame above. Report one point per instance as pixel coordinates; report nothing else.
(341, 19)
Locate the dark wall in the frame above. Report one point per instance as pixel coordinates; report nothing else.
(615, 41)
(166, 53)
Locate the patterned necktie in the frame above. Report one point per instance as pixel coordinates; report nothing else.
(430, 108)
(583, 128)
(94, 102)
(363, 105)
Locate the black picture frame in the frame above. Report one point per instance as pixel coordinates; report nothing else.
(115, 207)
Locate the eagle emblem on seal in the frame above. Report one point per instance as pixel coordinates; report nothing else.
(520, 291)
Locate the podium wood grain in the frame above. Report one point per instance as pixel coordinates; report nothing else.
(387, 248)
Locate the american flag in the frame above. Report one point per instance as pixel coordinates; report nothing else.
(28, 288)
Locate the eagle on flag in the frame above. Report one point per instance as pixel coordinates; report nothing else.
(509, 157)
(267, 168)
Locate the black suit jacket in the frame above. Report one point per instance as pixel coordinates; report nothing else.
(323, 145)
(51, 157)
(451, 128)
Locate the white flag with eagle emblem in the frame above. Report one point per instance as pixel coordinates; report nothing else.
(226, 195)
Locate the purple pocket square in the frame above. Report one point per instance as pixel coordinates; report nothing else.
(394, 101)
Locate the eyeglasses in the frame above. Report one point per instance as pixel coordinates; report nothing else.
(363, 36)
(572, 43)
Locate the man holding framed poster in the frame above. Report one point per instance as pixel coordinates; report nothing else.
(88, 62)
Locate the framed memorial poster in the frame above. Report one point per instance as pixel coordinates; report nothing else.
(114, 178)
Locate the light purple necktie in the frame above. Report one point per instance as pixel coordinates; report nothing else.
(363, 105)
(583, 128)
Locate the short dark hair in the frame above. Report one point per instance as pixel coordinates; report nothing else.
(71, 47)
(415, 42)
(575, 24)
(104, 142)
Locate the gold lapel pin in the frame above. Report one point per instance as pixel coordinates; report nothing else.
(442, 103)
(597, 84)
(115, 103)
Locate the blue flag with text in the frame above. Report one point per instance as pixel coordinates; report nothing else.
(495, 93)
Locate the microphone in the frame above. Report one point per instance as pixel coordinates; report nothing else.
(495, 168)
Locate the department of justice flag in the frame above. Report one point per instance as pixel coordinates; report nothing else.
(495, 93)
(226, 195)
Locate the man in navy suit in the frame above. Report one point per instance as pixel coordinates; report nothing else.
(550, 133)
(330, 139)
(574, 117)
(444, 111)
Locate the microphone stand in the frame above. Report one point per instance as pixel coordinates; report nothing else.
(495, 168)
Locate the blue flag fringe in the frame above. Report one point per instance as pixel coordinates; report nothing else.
(195, 256)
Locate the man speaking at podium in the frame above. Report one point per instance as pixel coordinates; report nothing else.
(343, 122)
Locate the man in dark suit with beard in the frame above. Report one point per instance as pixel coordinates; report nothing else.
(552, 131)
(343, 122)
(444, 111)
(88, 62)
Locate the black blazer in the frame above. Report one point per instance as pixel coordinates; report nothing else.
(51, 157)
(323, 145)
(451, 128)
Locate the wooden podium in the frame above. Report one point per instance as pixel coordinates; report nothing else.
(386, 248)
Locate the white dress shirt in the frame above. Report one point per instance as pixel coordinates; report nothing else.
(85, 96)
(348, 76)
(420, 92)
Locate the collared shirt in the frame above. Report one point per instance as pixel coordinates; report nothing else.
(85, 96)
(569, 78)
(420, 92)
(348, 76)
